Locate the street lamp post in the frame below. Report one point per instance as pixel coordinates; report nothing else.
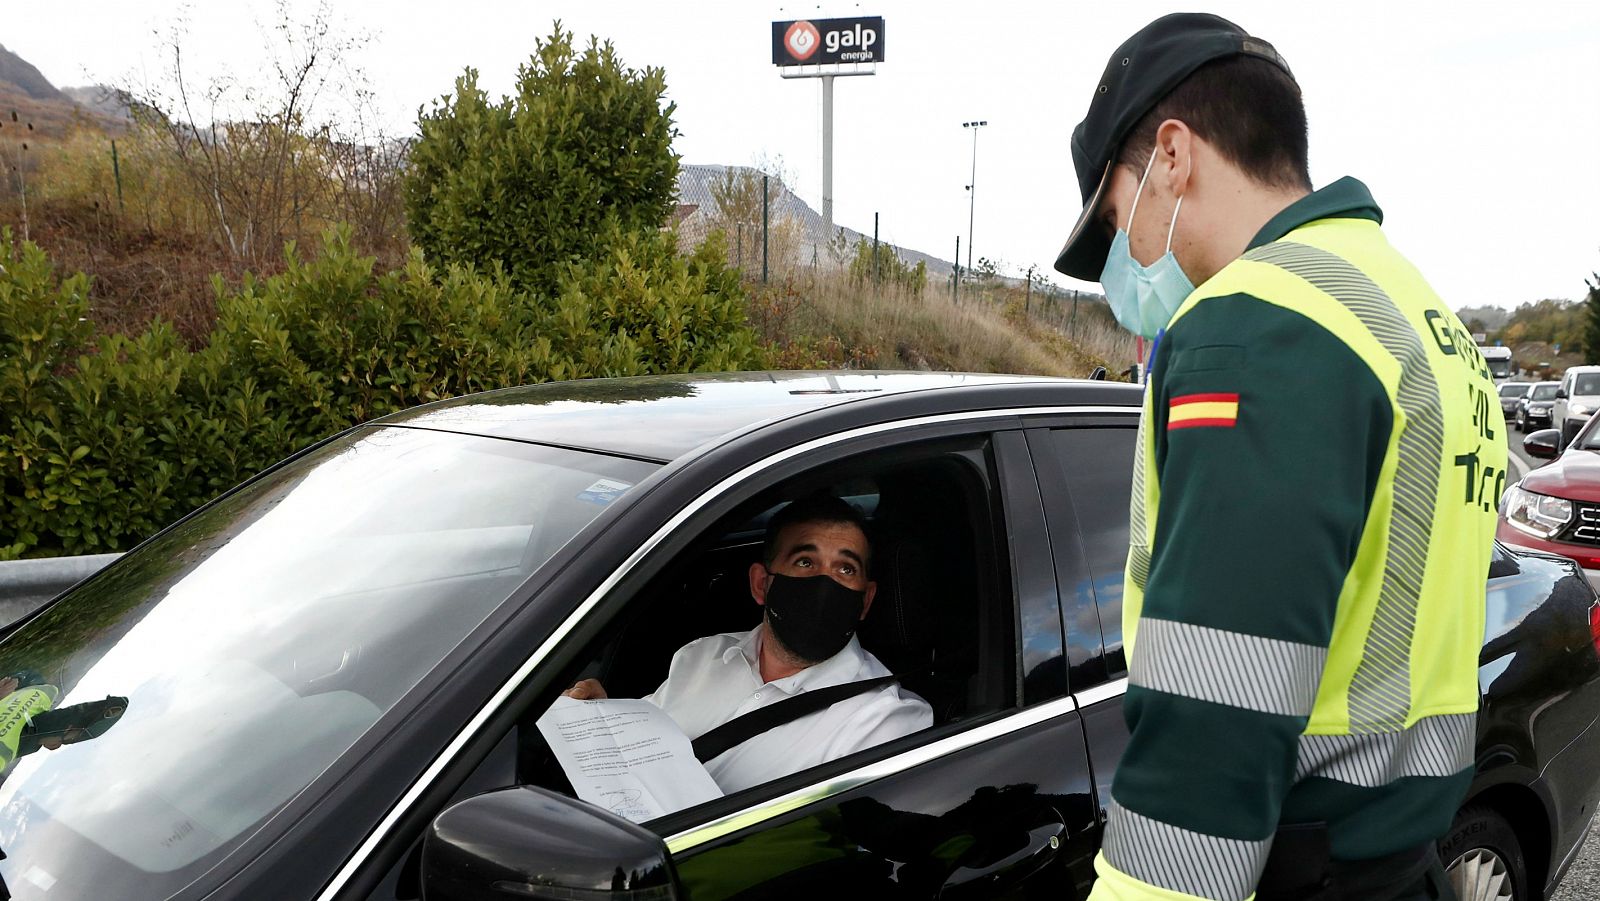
(972, 192)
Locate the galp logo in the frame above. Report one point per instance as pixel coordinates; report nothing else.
(802, 40)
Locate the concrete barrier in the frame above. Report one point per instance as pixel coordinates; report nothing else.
(27, 584)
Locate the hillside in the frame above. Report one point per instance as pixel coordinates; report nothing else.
(697, 202)
(30, 97)
(151, 253)
(26, 77)
(695, 190)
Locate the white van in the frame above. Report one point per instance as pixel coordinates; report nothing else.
(1499, 360)
(1576, 399)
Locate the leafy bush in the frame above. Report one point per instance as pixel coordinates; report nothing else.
(105, 438)
(659, 312)
(536, 180)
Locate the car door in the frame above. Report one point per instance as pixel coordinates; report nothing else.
(1085, 467)
(996, 802)
(1001, 809)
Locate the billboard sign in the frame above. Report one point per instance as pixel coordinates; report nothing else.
(813, 42)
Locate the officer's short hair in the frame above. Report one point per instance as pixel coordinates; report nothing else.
(1246, 107)
(820, 507)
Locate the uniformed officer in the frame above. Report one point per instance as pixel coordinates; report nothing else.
(1320, 460)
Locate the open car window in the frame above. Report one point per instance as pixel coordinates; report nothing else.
(942, 617)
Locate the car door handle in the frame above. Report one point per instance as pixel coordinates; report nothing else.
(1041, 846)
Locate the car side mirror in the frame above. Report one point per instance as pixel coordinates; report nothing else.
(527, 842)
(1561, 394)
(1544, 444)
(1500, 567)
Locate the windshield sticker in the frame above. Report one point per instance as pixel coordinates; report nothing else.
(604, 491)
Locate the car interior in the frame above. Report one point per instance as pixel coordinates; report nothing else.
(941, 619)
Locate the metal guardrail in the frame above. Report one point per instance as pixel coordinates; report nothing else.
(26, 584)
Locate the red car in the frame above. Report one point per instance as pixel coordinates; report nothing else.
(1556, 508)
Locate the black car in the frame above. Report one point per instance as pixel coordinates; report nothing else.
(1534, 406)
(1510, 394)
(327, 678)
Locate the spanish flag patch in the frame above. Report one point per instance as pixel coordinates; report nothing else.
(1198, 410)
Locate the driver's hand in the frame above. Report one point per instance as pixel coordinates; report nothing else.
(586, 690)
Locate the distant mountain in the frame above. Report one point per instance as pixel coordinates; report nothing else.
(1492, 318)
(26, 77)
(42, 108)
(697, 205)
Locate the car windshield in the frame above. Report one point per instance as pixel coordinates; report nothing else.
(253, 643)
(1544, 392)
(1499, 368)
(1587, 383)
(1515, 389)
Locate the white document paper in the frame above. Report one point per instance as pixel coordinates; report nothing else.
(628, 757)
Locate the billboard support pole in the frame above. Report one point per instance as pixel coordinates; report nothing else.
(827, 154)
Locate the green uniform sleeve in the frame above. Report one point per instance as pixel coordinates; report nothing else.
(1268, 435)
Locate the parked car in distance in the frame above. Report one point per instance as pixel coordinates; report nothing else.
(1534, 408)
(1577, 398)
(1510, 393)
(329, 677)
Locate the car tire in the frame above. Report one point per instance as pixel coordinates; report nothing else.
(1520, 424)
(1483, 858)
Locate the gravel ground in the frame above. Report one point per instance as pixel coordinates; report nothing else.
(1582, 882)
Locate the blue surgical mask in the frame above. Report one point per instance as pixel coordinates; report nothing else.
(1144, 298)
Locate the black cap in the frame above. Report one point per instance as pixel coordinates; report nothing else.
(1142, 72)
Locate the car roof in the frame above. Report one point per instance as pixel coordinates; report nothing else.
(664, 417)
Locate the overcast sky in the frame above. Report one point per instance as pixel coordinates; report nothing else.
(1477, 125)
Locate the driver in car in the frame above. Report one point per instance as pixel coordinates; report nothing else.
(814, 587)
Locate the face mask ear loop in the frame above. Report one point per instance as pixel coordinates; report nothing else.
(1176, 207)
(1140, 193)
(1174, 226)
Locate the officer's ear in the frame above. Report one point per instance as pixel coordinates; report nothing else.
(1175, 149)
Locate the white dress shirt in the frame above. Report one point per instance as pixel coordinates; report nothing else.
(716, 678)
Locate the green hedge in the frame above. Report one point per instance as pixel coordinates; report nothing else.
(106, 438)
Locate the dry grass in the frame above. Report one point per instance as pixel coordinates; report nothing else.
(49, 118)
(152, 248)
(828, 320)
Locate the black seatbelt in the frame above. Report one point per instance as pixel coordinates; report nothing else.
(743, 728)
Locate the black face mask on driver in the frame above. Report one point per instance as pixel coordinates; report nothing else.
(813, 617)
